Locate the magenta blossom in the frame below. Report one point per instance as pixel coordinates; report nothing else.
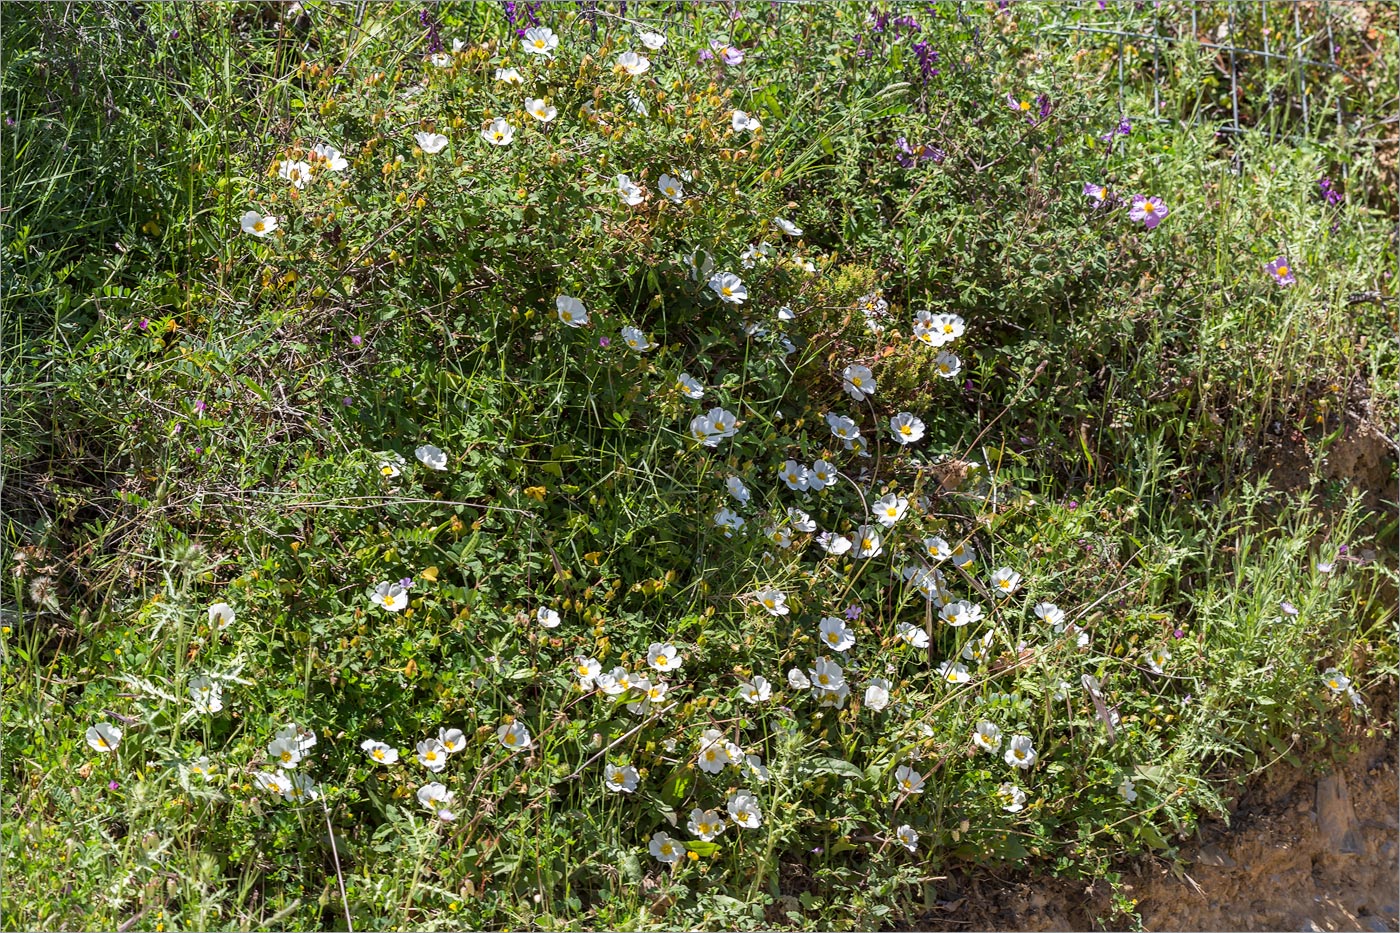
(1151, 211)
(1281, 270)
(603, 341)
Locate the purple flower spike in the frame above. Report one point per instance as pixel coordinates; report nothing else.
(1149, 210)
(1281, 270)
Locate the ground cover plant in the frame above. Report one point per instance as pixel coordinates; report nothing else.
(648, 465)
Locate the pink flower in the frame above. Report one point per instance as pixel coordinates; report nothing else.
(1151, 211)
(1281, 270)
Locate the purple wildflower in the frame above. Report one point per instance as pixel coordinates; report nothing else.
(347, 401)
(705, 55)
(406, 582)
(1149, 210)
(732, 56)
(112, 785)
(357, 340)
(1124, 127)
(852, 612)
(199, 406)
(1071, 505)
(1288, 608)
(1178, 633)
(1043, 102)
(908, 155)
(1098, 194)
(928, 58)
(1281, 270)
(145, 323)
(603, 341)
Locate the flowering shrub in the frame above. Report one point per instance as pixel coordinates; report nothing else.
(713, 584)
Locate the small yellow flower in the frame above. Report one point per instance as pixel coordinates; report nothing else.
(535, 492)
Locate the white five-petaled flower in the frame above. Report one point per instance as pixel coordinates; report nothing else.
(329, 157)
(221, 615)
(390, 467)
(908, 780)
(380, 752)
(540, 40)
(794, 475)
(842, 427)
(835, 635)
(889, 509)
(430, 142)
(936, 330)
(259, 225)
(987, 736)
(1005, 581)
(671, 188)
(652, 40)
(877, 694)
(744, 811)
(663, 657)
(587, 670)
(963, 555)
(729, 287)
(633, 63)
(907, 837)
(441, 60)
(977, 649)
(208, 694)
(756, 691)
(665, 849)
(787, 226)
(714, 752)
(437, 797)
(742, 121)
(537, 108)
(1128, 789)
(629, 191)
(867, 542)
(705, 824)
(913, 634)
(774, 601)
(294, 171)
(499, 132)
(1335, 680)
(570, 311)
(737, 489)
(907, 428)
(937, 549)
(284, 751)
(272, 781)
(798, 680)
(1157, 660)
(953, 672)
(826, 675)
(947, 364)
(689, 386)
(960, 612)
(834, 544)
(1020, 753)
(547, 617)
(801, 521)
(820, 475)
(431, 457)
(432, 755)
(729, 520)
(1013, 799)
(514, 736)
(104, 737)
(509, 76)
(636, 340)
(390, 596)
(1049, 612)
(858, 381)
(621, 779)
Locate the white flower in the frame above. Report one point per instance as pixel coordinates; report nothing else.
(1020, 753)
(877, 694)
(826, 675)
(570, 311)
(587, 670)
(1335, 680)
(723, 421)
(671, 188)
(714, 752)
(1128, 789)
(390, 468)
(221, 615)
(652, 693)
(203, 767)
(705, 824)
(937, 329)
(499, 132)
(801, 521)
(859, 445)
(907, 837)
(737, 489)
(284, 751)
(786, 314)
(665, 849)
(774, 601)
(907, 428)
(104, 737)
(913, 634)
(621, 780)
(690, 386)
(987, 736)
(380, 752)
(947, 364)
(208, 694)
(963, 555)
(729, 520)
(889, 509)
(954, 673)
(834, 698)
(390, 596)
(936, 548)
(743, 810)
(303, 739)
(630, 193)
(728, 287)
(908, 780)
(976, 649)
(633, 63)
(1157, 659)
(436, 797)
(652, 40)
(430, 142)
(259, 225)
(834, 634)
(842, 427)
(431, 457)
(700, 263)
(753, 254)
(833, 544)
(272, 781)
(858, 381)
(1049, 612)
(547, 617)
(537, 108)
(742, 121)
(636, 340)
(787, 226)
(514, 736)
(806, 265)
(432, 755)
(540, 40)
(798, 680)
(756, 691)
(616, 682)
(1005, 581)
(960, 612)
(441, 59)
(1013, 799)
(296, 172)
(663, 657)
(867, 542)
(794, 475)
(509, 76)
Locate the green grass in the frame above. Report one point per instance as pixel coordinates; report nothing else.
(1154, 434)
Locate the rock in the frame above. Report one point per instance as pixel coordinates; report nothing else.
(1375, 925)
(1213, 856)
(1335, 818)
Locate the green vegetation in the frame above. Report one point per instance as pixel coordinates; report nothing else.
(407, 451)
